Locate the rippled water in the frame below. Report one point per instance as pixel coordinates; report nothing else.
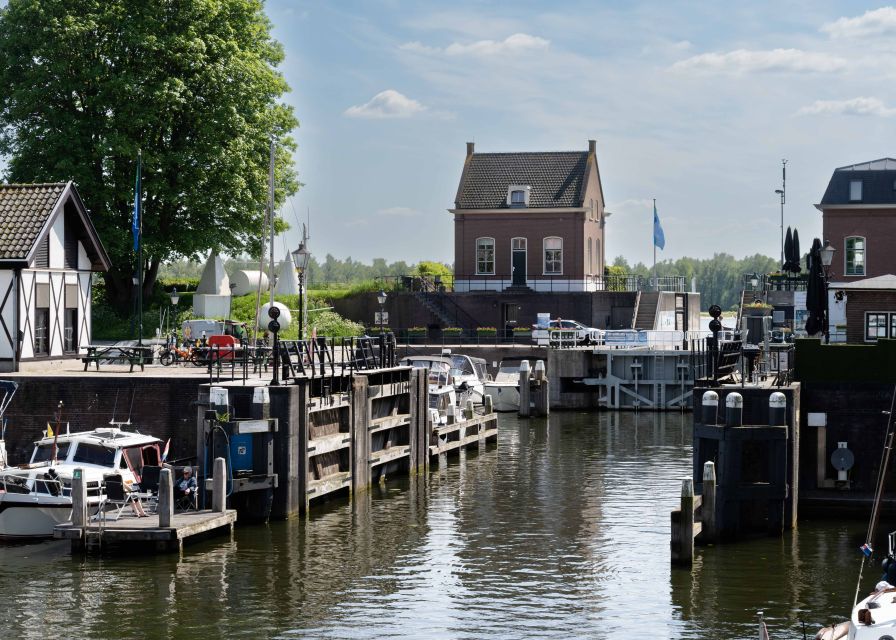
(561, 531)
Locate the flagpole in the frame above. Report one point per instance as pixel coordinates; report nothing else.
(139, 206)
(656, 284)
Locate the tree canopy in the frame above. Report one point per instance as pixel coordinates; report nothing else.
(193, 83)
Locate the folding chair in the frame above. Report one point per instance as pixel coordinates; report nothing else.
(149, 484)
(116, 497)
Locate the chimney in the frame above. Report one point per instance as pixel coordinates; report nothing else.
(470, 146)
(592, 146)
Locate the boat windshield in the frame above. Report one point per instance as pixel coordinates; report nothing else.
(44, 452)
(461, 365)
(87, 453)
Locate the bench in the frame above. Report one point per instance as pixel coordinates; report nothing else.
(132, 355)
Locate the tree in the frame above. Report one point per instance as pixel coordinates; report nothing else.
(193, 84)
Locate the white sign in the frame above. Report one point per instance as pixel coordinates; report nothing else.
(381, 318)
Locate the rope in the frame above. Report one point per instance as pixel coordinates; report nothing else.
(879, 490)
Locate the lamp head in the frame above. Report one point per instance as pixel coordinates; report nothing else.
(174, 296)
(779, 192)
(300, 257)
(827, 254)
(381, 297)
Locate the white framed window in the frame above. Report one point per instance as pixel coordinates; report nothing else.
(518, 195)
(553, 256)
(589, 266)
(855, 256)
(855, 190)
(518, 244)
(876, 325)
(485, 256)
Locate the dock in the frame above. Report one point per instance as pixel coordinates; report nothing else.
(145, 532)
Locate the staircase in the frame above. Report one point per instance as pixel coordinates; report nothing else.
(645, 310)
(431, 302)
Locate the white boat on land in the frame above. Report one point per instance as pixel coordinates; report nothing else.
(505, 388)
(36, 496)
(442, 393)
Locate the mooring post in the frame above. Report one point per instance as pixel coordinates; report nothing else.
(219, 486)
(450, 417)
(734, 410)
(686, 554)
(488, 405)
(541, 395)
(79, 499)
(708, 533)
(468, 410)
(524, 389)
(166, 498)
(710, 402)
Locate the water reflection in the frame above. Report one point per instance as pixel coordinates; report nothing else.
(561, 531)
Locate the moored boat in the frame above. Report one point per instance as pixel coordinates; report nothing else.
(441, 385)
(505, 388)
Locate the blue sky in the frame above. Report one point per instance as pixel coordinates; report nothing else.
(694, 104)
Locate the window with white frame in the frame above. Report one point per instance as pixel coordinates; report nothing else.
(590, 265)
(855, 256)
(485, 256)
(519, 244)
(553, 256)
(518, 195)
(855, 190)
(876, 325)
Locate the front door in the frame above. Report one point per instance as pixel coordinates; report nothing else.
(519, 262)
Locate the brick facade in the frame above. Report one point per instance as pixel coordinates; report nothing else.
(858, 303)
(877, 226)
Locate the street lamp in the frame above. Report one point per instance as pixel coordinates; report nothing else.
(381, 298)
(754, 280)
(780, 192)
(826, 253)
(300, 259)
(174, 299)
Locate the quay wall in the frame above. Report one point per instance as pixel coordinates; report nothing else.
(163, 407)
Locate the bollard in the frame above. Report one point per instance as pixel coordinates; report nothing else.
(79, 499)
(468, 410)
(777, 410)
(708, 533)
(166, 498)
(525, 389)
(539, 372)
(488, 404)
(710, 404)
(541, 399)
(687, 521)
(219, 486)
(261, 403)
(450, 417)
(734, 410)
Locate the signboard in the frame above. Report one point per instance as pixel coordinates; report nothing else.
(627, 338)
(381, 318)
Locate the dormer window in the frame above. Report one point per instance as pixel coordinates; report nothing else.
(855, 190)
(518, 196)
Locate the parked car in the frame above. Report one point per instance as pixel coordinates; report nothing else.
(566, 331)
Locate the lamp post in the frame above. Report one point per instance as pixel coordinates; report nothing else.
(754, 280)
(780, 192)
(826, 253)
(174, 300)
(381, 298)
(300, 260)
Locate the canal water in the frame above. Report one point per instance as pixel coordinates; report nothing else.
(561, 531)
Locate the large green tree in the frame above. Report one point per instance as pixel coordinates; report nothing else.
(193, 83)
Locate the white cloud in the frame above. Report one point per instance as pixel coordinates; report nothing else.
(854, 107)
(871, 23)
(386, 104)
(398, 212)
(746, 61)
(517, 43)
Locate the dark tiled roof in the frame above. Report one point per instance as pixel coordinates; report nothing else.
(24, 208)
(556, 179)
(878, 183)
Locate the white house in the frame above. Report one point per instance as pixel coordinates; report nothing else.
(49, 250)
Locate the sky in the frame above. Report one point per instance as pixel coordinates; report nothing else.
(694, 104)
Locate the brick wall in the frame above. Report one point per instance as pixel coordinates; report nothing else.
(161, 407)
(860, 302)
(877, 226)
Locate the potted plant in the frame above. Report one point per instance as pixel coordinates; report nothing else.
(486, 331)
(451, 332)
(757, 308)
(522, 333)
(416, 332)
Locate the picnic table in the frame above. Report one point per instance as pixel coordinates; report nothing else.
(134, 355)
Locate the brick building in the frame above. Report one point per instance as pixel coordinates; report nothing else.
(529, 221)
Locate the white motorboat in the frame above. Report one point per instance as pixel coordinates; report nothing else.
(470, 375)
(442, 393)
(36, 496)
(505, 388)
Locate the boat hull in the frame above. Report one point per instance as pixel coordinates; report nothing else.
(31, 517)
(505, 397)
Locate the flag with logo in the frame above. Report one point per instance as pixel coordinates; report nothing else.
(659, 238)
(135, 219)
(165, 452)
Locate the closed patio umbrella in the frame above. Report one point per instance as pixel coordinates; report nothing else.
(815, 302)
(788, 252)
(796, 252)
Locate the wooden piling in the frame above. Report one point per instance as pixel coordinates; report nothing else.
(708, 517)
(166, 498)
(79, 499)
(468, 410)
(359, 429)
(683, 526)
(419, 419)
(525, 395)
(219, 486)
(488, 404)
(541, 397)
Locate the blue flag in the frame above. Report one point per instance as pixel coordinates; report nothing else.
(659, 239)
(135, 221)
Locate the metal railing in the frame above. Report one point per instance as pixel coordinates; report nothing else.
(546, 283)
(775, 282)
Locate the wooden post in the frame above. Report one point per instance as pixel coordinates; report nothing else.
(708, 534)
(219, 486)
(683, 529)
(360, 433)
(450, 417)
(166, 498)
(524, 389)
(79, 499)
(541, 398)
(488, 405)
(468, 410)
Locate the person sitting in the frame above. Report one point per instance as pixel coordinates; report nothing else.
(185, 488)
